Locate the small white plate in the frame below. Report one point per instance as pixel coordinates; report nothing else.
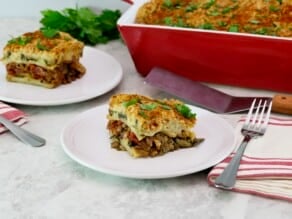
(103, 73)
(86, 140)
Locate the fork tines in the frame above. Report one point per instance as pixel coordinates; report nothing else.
(258, 115)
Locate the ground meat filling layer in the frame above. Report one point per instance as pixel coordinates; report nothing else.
(152, 146)
(62, 74)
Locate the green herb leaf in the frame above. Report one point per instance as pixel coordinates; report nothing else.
(274, 8)
(191, 7)
(22, 41)
(233, 28)
(209, 4)
(185, 111)
(40, 46)
(83, 24)
(49, 32)
(214, 13)
(180, 23)
(222, 23)
(149, 106)
(167, 3)
(226, 10)
(166, 107)
(262, 31)
(206, 26)
(143, 114)
(168, 21)
(170, 4)
(130, 102)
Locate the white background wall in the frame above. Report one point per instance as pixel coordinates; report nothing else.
(32, 8)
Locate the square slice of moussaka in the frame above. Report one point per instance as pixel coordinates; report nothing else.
(146, 127)
(47, 61)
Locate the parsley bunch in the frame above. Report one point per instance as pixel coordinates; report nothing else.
(83, 24)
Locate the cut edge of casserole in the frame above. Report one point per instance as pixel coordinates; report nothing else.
(34, 58)
(146, 127)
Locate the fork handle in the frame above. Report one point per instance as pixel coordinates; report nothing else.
(228, 177)
(22, 134)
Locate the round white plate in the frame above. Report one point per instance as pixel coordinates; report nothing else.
(103, 73)
(86, 140)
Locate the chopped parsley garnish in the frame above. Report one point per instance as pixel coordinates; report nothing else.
(168, 21)
(167, 3)
(206, 26)
(143, 114)
(191, 8)
(170, 4)
(261, 31)
(185, 111)
(180, 23)
(226, 10)
(49, 32)
(214, 13)
(130, 102)
(165, 107)
(22, 41)
(233, 28)
(222, 23)
(274, 8)
(209, 4)
(149, 106)
(41, 46)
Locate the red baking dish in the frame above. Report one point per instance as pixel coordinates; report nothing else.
(237, 59)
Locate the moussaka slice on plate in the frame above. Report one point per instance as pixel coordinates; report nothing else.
(146, 127)
(41, 59)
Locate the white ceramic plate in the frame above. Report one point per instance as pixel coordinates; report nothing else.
(85, 139)
(103, 74)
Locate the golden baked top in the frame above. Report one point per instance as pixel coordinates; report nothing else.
(265, 17)
(146, 116)
(37, 48)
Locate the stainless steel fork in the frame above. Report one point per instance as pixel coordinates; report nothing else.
(22, 134)
(255, 125)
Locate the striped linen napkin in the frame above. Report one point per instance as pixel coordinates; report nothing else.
(12, 114)
(266, 167)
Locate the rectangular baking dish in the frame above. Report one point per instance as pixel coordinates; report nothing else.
(237, 59)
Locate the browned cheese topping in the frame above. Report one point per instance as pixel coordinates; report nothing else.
(265, 17)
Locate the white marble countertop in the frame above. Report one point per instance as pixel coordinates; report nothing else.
(45, 183)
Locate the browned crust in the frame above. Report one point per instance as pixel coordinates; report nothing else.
(272, 17)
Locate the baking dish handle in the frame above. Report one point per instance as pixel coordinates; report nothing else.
(129, 1)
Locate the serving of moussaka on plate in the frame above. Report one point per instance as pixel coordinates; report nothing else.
(266, 17)
(146, 127)
(42, 58)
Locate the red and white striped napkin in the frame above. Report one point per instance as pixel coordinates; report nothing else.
(12, 114)
(266, 167)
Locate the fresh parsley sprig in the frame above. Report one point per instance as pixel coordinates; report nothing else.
(49, 33)
(185, 111)
(82, 23)
(130, 102)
